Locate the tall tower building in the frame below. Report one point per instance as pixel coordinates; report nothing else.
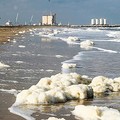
(49, 19)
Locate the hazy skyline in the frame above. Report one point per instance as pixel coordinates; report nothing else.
(72, 11)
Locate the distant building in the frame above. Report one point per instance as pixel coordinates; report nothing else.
(8, 23)
(97, 21)
(49, 19)
(92, 21)
(100, 21)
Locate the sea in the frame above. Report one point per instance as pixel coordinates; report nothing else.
(41, 52)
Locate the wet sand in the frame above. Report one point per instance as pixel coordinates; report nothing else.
(46, 111)
(6, 99)
(8, 32)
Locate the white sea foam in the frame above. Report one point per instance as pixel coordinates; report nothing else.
(14, 41)
(93, 30)
(19, 62)
(54, 118)
(3, 85)
(96, 113)
(115, 40)
(21, 32)
(21, 46)
(86, 44)
(58, 56)
(114, 34)
(72, 38)
(105, 50)
(2, 65)
(63, 88)
(10, 81)
(25, 113)
(41, 70)
(57, 88)
(8, 40)
(68, 65)
(12, 91)
(101, 84)
(49, 70)
(78, 56)
(48, 33)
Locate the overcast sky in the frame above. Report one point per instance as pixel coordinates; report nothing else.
(72, 11)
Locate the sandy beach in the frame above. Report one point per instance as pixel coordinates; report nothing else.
(8, 32)
(31, 57)
(8, 99)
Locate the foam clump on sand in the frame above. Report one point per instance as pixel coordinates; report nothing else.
(21, 46)
(96, 113)
(21, 32)
(55, 89)
(2, 65)
(101, 84)
(86, 44)
(68, 65)
(53, 118)
(73, 39)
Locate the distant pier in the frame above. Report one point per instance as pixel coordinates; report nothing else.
(68, 26)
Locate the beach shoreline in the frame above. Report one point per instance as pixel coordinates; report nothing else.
(8, 32)
(38, 58)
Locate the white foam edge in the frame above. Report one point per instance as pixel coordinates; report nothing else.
(2, 65)
(21, 46)
(49, 70)
(26, 114)
(58, 56)
(19, 62)
(95, 113)
(10, 81)
(54, 118)
(105, 50)
(12, 91)
(78, 56)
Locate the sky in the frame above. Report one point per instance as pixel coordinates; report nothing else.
(75, 12)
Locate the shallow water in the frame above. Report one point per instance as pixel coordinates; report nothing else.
(33, 56)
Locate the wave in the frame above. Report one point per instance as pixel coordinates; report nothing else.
(105, 50)
(65, 33)
(21, 46)
(10, 81)
(12, 91)
(114, 34)
(78, 56)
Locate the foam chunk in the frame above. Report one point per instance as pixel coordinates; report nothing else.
(71, 38)
(80, 91)
(56, 89)
(86, 44)
(68, 65)
(53, 118)
(96, 113)
(2, 65)
(101, 84)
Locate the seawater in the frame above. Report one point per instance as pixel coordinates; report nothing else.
(41, 53)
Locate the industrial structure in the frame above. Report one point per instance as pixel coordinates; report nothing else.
(49, 19)
(8, 23)
(100, 21)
